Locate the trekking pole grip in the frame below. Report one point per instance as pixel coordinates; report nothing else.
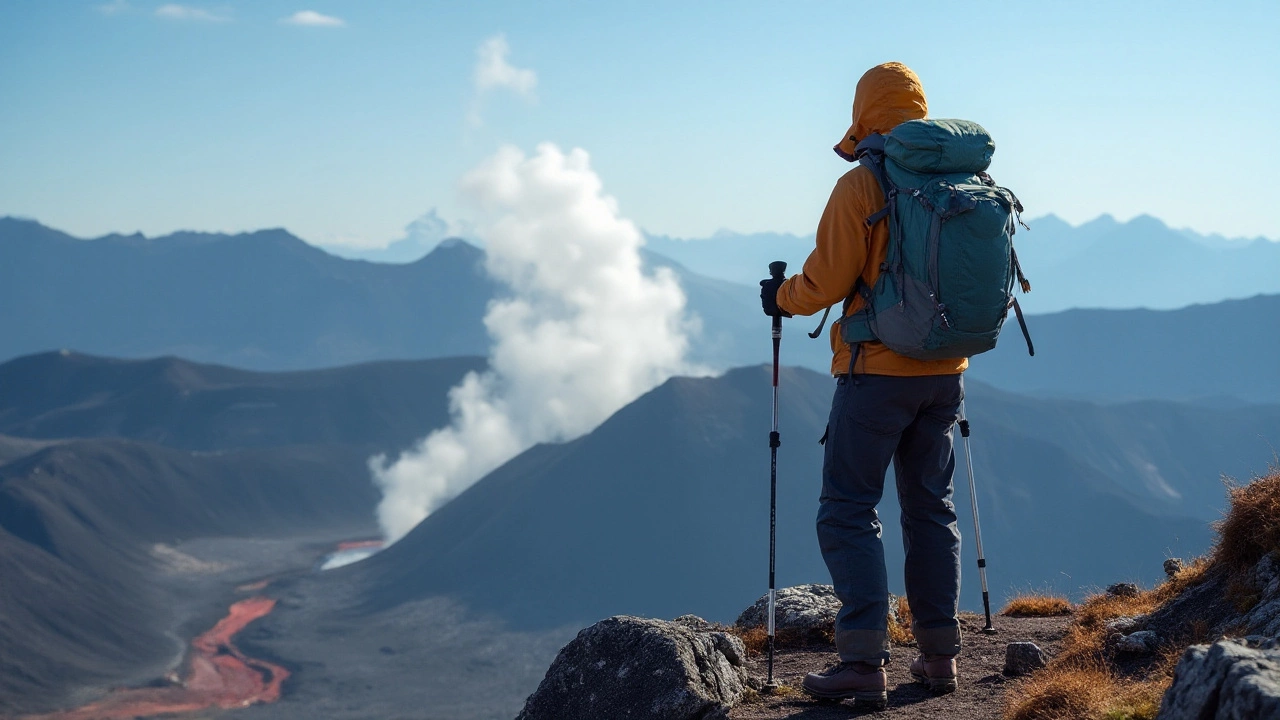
(777, 271)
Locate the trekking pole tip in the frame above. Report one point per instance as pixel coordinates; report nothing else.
(988, 630)
(778, 269)
(769, 687)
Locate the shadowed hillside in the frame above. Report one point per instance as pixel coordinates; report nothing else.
(1220, 354)
(608, 523)
(375, 406)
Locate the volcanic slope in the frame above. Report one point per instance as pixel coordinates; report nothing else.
(663, 509)
(87, 525)
(92, 530)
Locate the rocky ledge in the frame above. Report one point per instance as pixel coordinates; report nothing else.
(1228, 680)
(630, 667)
(690, 669)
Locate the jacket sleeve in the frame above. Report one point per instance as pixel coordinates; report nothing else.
(840, 256)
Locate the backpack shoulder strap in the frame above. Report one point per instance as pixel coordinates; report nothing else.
(870, 154)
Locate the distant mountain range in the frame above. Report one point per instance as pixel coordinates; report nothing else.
(264, 300)
(1103, 263)
(269, 301)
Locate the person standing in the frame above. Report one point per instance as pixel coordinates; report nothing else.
(886, 408)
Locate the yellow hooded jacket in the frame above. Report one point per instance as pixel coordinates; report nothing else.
(887, 95)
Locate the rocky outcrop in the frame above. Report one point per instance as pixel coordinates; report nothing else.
(640, 669)
(803, 608)
(1229, 680)
(1023, 658)
(1214, 603)
(1124, 590)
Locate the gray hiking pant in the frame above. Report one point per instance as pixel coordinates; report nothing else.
(876, 419)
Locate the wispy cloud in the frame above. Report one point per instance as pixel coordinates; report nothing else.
(493, 72)
(115, 7)
(311, 18)
(174, 11)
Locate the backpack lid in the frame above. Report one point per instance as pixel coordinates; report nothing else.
(937, 147)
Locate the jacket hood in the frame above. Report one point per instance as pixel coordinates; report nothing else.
(887, 95)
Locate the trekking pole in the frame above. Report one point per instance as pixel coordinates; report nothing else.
(777, 271)
(977, 527)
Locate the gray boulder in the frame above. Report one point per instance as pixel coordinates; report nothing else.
(1141, 642)
(1228, 680)
(1023, 658)
(1126, 623)
(805, 608)
(637, 668)
(1173, 566)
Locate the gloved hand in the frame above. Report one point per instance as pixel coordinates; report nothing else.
(769, 297)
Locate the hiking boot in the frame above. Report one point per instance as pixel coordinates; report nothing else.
(864, 683)
(936, 671)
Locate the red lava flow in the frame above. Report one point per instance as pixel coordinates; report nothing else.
(359, 544)
(219, 676)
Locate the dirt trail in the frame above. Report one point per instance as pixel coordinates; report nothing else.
(219, 675)
(980, 696)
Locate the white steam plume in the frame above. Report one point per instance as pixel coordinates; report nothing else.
(584, 332)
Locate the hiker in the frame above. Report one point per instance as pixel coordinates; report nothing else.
(886, 407)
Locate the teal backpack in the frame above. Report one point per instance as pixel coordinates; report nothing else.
(946, 284)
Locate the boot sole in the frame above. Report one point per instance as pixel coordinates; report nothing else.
(937, 686)
(873, 699)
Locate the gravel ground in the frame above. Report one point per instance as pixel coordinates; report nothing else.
(979, 697)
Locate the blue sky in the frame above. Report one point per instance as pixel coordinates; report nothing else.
(122, 116)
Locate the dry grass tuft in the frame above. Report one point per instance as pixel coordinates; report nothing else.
(900, 624)
(1089, 692)
(756, 640)
(1075, 692)
(1252, 527)
(1037, 606)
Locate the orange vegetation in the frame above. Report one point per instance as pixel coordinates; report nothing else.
(1056, 692)
(219, 676)
(1252, 528)
(900, 623)
(1037, 606)
(1080, 683)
